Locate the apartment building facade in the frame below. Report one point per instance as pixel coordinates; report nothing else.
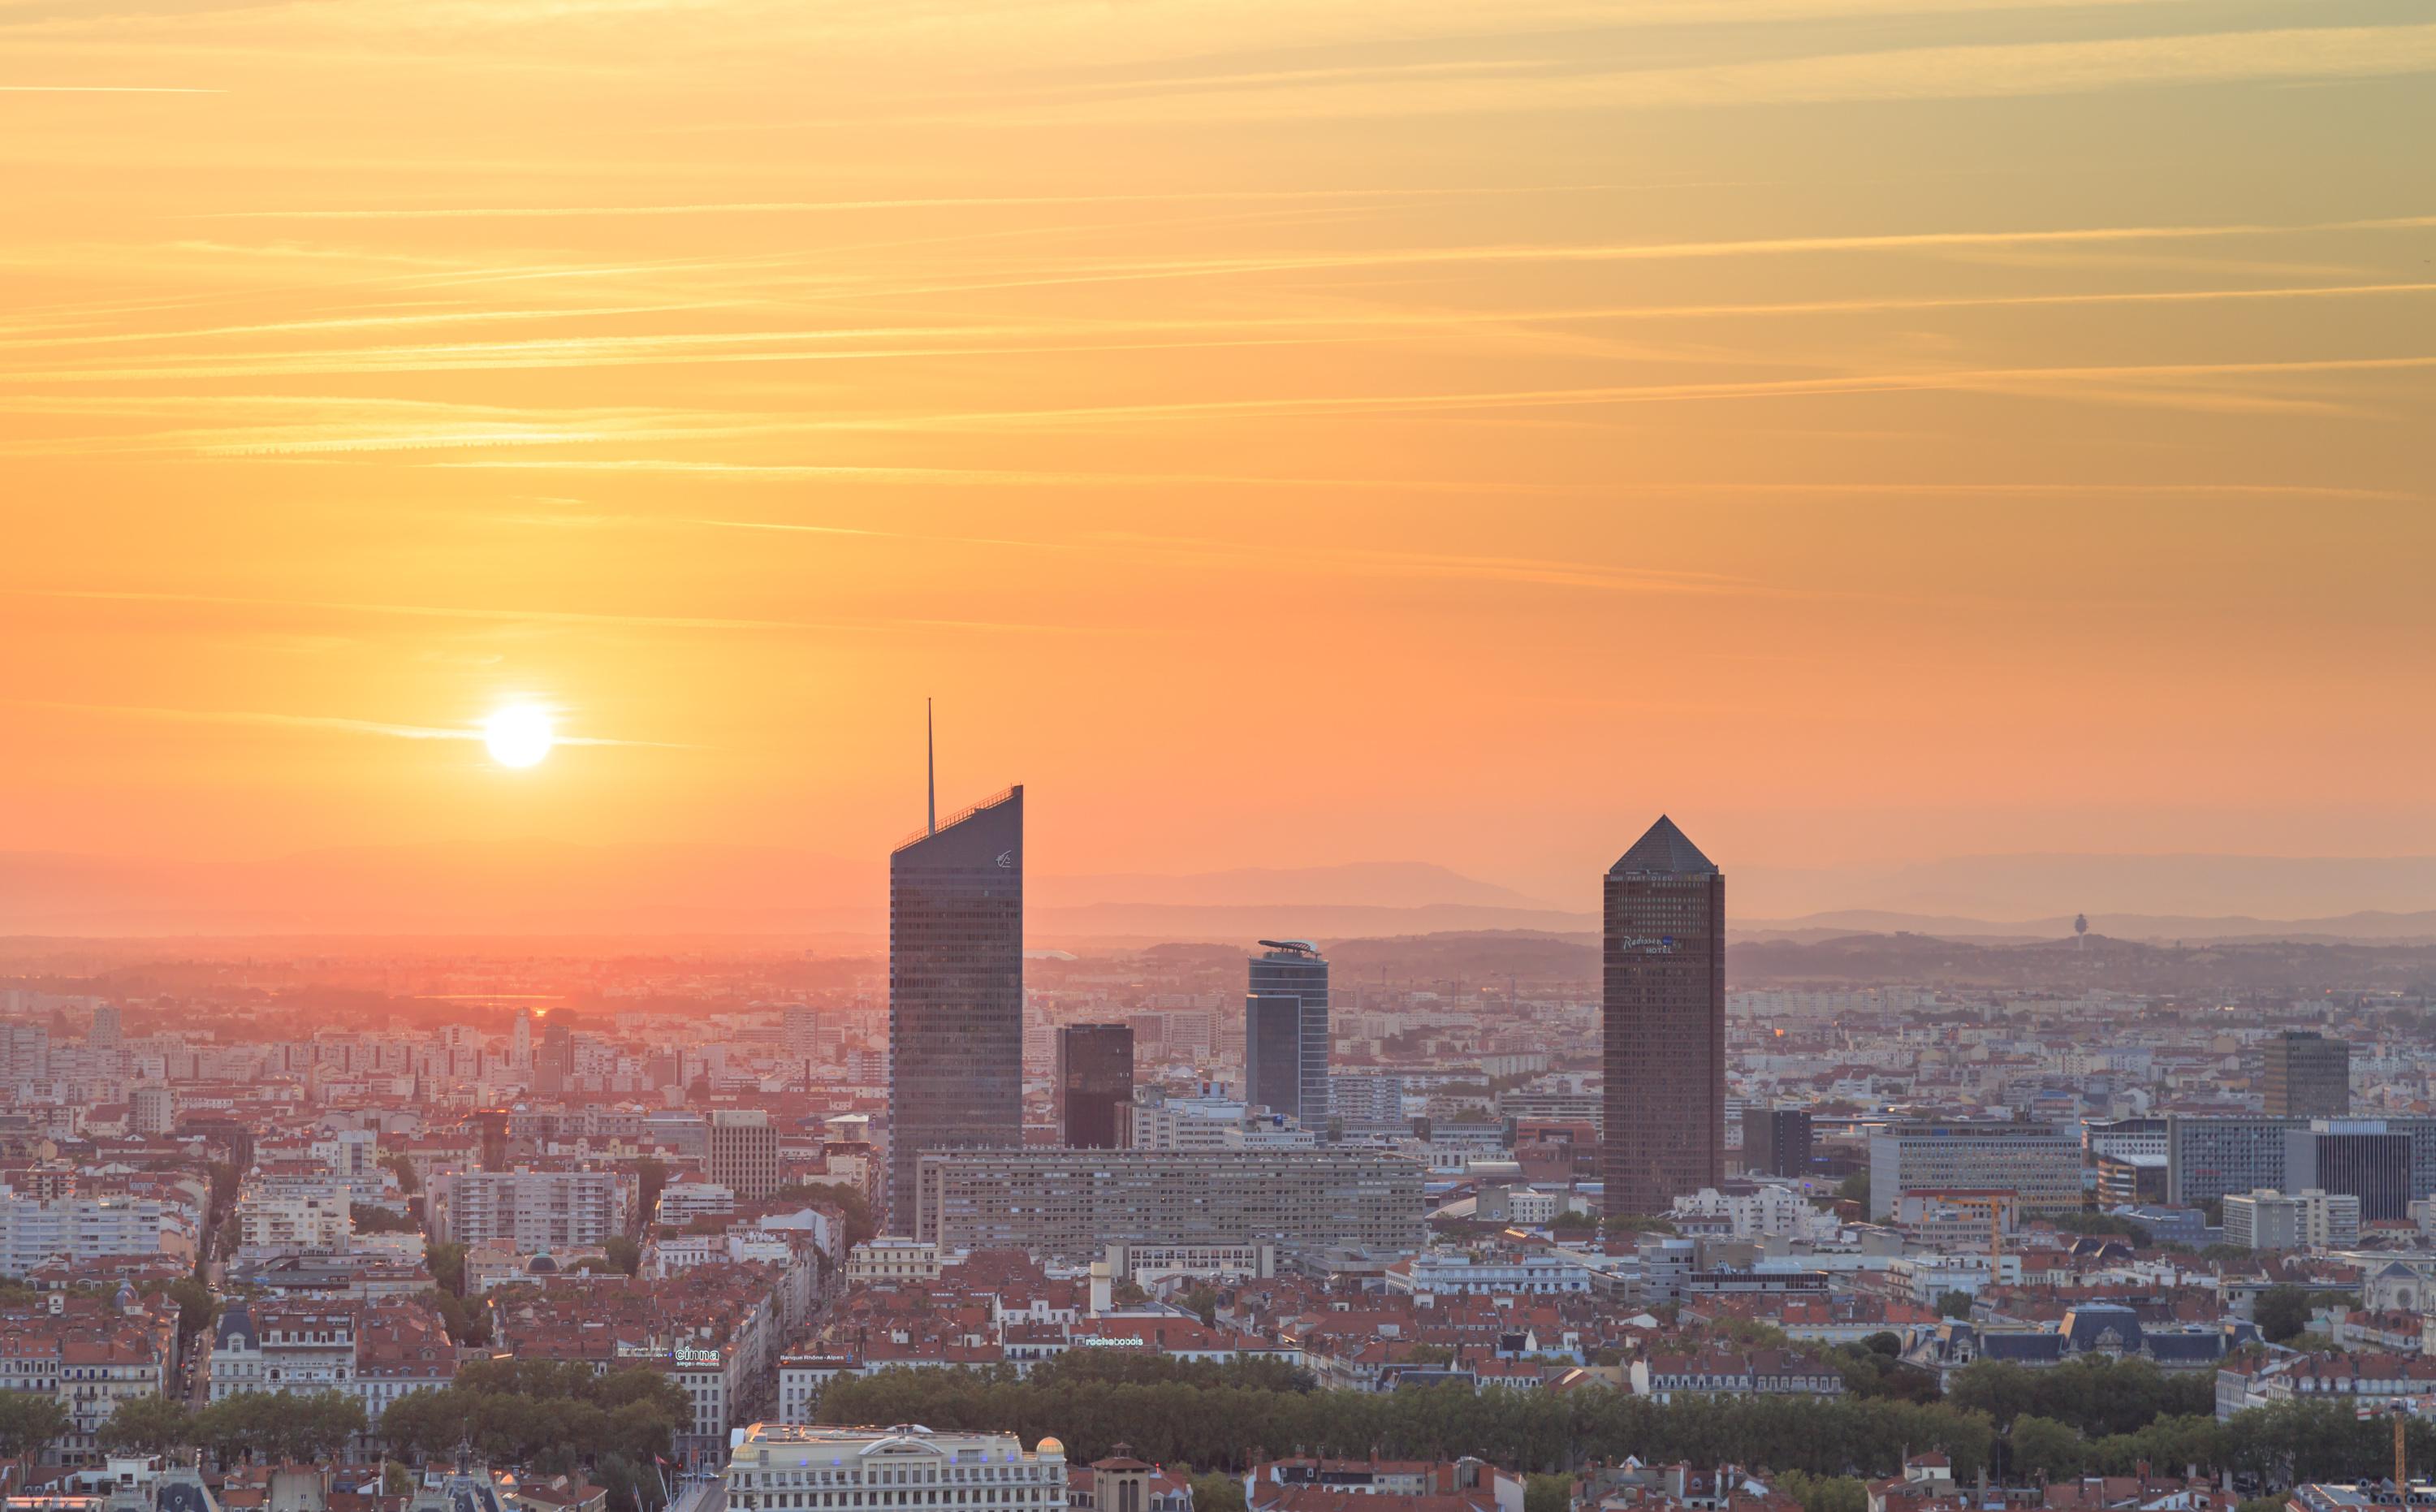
(1075, 1203)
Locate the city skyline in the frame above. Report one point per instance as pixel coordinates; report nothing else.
(493, 1019)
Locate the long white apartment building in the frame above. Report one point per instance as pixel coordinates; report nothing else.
(35, 1233)
(1540, 1273)
(1156, 1122)
(1757, 1209)
(531, 1209)
(2038, 1163)
(270, 1224)
(791, 1468)
(2308, 1219)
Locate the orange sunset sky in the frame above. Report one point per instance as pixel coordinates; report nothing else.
(1277, 432)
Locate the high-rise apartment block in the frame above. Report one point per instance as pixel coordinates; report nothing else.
(532, 1211)
(1285, 1032)
(1094, 1085)
(1371, 1097)
(1663, 1016)
(2312, 1219)
(743, 1152)
(25, 1057)
(151, 1109)
(803, 1029)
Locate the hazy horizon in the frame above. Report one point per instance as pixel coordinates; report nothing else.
(513, 889)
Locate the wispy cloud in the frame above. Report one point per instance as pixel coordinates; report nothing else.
(1484, 567)
(320, 721)
(1658, 252)
(750, 207)
(1976, 71)
(470, 316)
(986, 478)
(538, 617)
(2062, 380)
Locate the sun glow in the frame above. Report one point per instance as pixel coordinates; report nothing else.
(518, 736)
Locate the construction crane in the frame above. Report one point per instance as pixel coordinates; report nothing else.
(2399, 1411)
(1994, 1204)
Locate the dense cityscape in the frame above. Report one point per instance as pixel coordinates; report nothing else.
(1217, 756)
(1488, 1223)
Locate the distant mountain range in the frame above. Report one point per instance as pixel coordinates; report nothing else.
(2367, 925)
(657, 891)
(502, 888)
(2046, 886)
(564, 890)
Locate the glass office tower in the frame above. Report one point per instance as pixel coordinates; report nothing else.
(1286, 1032)
(1663, 1016)
(1094, 1086)
(955, 992)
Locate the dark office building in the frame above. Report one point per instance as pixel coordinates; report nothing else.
(2358, 1157)
(1776, 1142)
(1663, 1016)
(1286, 1032)
(1095, 1085)
(2306, 1076)
(955, 991)
(555, 1061)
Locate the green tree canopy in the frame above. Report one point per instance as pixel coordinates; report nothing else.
(447, 1263)
(2071, 1223)
(198, 1308)
(1214, 1423)
(1824, 1493)
(29, 1420)
(1547, 1493)
(848, 1200)
(368, 1219)
(554, 1415)
(272, 1426)
(148, 1425)
(2281, 1312)
(2044, 1448)
(1217, 1493)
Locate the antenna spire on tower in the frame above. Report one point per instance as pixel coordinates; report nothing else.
(930, 760)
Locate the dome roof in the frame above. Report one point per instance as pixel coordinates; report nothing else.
(1049, 1446)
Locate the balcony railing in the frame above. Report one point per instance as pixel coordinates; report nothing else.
(957, 817)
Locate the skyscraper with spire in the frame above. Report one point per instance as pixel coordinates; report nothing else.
(1663, 1016)
(955, 987)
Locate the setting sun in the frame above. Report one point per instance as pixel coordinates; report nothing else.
(518, 736)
